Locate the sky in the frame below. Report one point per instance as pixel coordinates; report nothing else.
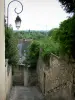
(37, 14)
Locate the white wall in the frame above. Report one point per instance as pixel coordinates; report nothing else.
(2, 52)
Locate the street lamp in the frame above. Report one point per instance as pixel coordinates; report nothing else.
(18, 22)
(18, 19)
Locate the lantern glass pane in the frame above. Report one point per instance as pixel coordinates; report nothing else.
(18, 24)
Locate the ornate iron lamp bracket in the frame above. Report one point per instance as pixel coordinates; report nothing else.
(14, 9)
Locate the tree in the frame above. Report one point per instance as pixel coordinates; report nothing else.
(11, 51)
(69, 5)
(30, 34)
(33, 54)
(54, 33)
(67, 37)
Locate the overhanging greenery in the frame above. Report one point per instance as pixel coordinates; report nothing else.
(11, 50)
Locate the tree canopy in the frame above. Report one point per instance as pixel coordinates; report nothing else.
(69, 5)
(30, 34)
(66, 37)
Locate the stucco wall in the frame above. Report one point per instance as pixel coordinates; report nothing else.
(56, 79)
(5, 80)
(8, 78)
(2, 52)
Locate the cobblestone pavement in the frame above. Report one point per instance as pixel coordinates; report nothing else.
(25, 93)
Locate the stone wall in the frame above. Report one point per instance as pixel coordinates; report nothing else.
(32, 80)
(18, 75)
(26, 76)
(56, 79)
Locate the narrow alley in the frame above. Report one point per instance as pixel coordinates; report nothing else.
(25, 93)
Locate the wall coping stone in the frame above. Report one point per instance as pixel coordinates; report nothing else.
(55, 56)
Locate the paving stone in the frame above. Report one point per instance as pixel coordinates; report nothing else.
(25, 93)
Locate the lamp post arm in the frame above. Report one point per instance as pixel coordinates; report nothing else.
(14, 9)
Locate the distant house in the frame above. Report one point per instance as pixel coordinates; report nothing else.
(22, 48)
(19, 71)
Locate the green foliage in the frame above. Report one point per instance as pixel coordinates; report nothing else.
(11, 51)
(33, 54)
(69, 5)
(49, 45)
(30, 34)
(53, 31)
(59, 41)
(67, 37)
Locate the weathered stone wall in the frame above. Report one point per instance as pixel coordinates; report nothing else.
(18, 75)
(56, 79)
(32, 80)
(26, 77)
(40, 73)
